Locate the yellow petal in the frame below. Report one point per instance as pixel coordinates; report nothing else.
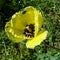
(17, 21)
(38, 21)
(14, 34)
(29, 15)
(37, 40)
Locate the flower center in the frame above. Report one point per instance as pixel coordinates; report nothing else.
(29, 30)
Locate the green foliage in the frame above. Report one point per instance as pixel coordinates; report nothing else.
(49, 49)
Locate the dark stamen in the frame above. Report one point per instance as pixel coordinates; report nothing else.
(29, 31)
(31, 26)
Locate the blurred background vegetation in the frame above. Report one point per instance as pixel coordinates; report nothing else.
(48, 49)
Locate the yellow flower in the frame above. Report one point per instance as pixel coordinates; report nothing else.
(25, 25)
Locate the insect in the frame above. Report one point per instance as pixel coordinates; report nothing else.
(23, 12)
(29, 30)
